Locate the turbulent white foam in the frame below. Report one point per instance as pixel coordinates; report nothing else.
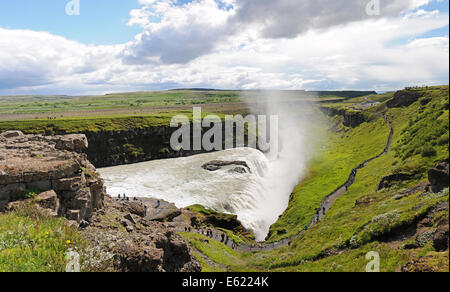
(184, 182)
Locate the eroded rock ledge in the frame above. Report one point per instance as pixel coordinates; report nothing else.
(32, 164)
(53, 174)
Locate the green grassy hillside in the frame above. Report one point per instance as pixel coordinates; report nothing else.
(398, 221)
(365, 218)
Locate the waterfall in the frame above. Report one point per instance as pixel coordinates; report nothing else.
(184, 182)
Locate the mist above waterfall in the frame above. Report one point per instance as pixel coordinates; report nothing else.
(298, 137)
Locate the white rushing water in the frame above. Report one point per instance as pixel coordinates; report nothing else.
(184, 182)
(258, 198)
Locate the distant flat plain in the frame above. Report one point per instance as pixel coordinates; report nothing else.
(145, 103)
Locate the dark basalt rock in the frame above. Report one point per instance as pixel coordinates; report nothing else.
(441, 238)
(217, 164)
(351, 118)
(238, 170)
(439, 177)
(391, 180)
(404, 98)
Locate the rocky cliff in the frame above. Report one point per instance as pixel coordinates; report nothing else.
(30, 165)
(136, 144)
(112, 148)
(53, 174)
(351, 118)
(405, 98)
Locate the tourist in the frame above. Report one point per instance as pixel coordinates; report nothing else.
(158, 204)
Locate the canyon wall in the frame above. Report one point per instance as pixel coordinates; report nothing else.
(52, 168)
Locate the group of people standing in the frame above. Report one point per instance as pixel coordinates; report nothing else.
(224, 238)
(124, 197)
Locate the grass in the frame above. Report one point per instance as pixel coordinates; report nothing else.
(204, 215)
(33, 242)
(364, 213)
(53, 105)
(358, 221)
(93, 124)
(221, 257)
(343, 152)
(136, 100)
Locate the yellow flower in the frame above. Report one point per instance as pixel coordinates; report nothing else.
(68, 241)
(46, 233)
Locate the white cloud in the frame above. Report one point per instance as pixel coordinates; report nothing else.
(181, 34)
(189, 46)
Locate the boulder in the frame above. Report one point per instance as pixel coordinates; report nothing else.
(391, 180)
(166, 211)
(69, 184)
(74, 142)
(11, 134)
(238, 170)
(218, 164)
(46, 200)
(439, 177)
(441, 238)
(130, 218)
(73, 215)
(133, 207)
(135, 258)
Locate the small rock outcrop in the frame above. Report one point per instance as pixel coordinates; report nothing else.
(47, 166)
(164, 212)
(393, 179)
(404, 98)
(441, 237)
(439, 176)
(139, 244)
(351, 118)
(240, 166)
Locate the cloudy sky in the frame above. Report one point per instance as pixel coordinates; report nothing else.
(47, 47)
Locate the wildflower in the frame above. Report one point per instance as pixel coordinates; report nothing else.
(68, 241)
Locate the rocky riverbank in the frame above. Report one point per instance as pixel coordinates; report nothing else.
(54, 175)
